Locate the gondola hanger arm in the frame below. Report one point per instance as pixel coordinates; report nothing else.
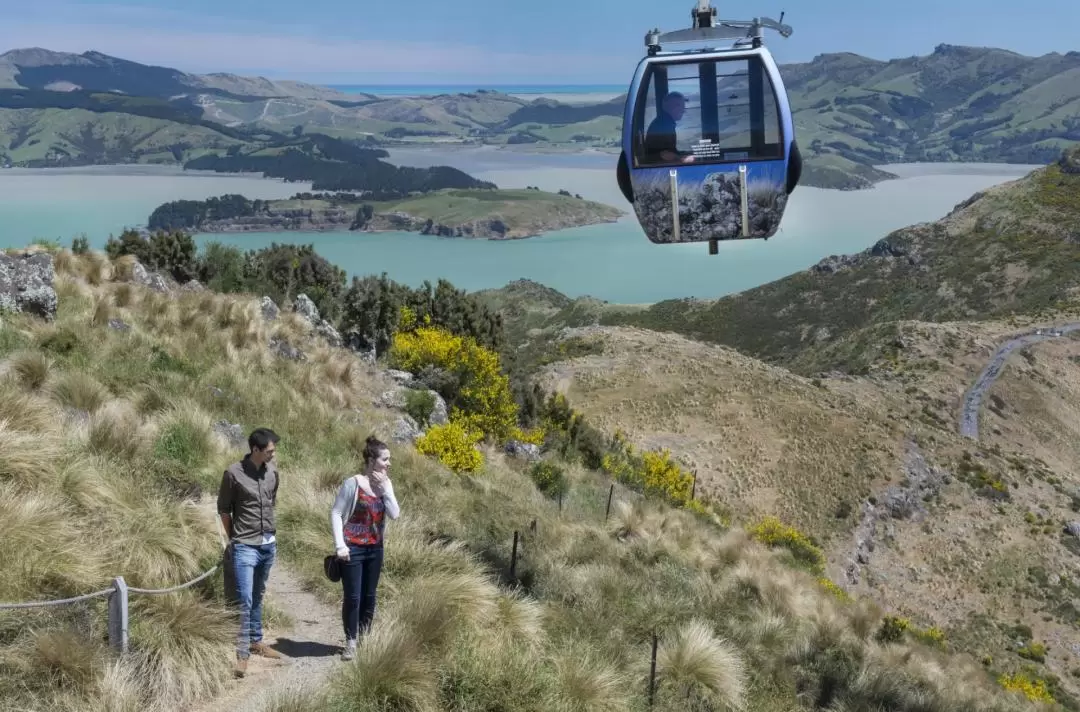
(707, 28)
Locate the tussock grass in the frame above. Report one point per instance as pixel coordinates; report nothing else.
(571, 631)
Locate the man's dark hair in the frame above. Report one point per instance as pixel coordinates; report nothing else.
(675, 95)
(261, 437)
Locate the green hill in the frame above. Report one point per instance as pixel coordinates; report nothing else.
(37, 68)
(851, 112)
(58, 137)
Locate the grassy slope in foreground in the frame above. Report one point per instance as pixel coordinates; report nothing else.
(1011, 248)
(499, 214)
(105, 428)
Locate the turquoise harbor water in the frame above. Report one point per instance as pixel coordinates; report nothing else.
(613, 261)
(434, 89)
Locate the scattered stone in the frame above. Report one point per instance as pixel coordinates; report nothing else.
(281, 347)
(525, 451)
(269, 310)
(192, 285)
(26, 284)
(402, 378)
(1073, 528)
(904, 501)
(232, 433)
(153, 280)
(393, 398)
(439, 414)
(306, 308)
(329, 333)
(119, 325)
(405, 430)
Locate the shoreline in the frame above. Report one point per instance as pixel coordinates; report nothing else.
(903, 171)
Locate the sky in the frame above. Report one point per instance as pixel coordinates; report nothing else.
(480, 42)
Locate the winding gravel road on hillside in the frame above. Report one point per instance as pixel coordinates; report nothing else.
(969, 414)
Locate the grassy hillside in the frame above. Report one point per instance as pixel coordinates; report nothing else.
(968, 537)
(851, 112)
(107, 424)
(1011, 248)
(966, 103)
(37, 68)
(42, 137)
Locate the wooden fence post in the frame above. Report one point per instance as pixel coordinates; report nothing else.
(609, 495)
(118, 616)
(693, 488)
(513, 556)
(652, 670)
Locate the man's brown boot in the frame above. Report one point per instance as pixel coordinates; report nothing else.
(264, 650)
(241, 666)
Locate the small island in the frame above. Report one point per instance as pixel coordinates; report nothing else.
(495, 214)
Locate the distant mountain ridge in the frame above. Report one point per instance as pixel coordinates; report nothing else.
(38, 68)
(852, 113)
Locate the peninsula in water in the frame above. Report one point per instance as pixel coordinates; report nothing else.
(472, 213)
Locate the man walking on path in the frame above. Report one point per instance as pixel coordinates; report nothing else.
(246, 501)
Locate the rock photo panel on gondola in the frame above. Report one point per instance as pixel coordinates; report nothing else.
(710, 202)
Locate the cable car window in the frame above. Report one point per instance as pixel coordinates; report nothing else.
(705, 112)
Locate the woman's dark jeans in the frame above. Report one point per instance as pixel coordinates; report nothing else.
(359, 579)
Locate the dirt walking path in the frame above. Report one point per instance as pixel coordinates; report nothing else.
(310, 650)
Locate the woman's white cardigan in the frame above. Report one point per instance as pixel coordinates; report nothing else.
(345, 501)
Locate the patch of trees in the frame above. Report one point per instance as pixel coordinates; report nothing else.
(335, 165)
(180, 214)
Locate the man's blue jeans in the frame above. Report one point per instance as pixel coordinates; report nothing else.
(251, 565)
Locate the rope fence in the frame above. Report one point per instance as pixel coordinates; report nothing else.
(118, 598)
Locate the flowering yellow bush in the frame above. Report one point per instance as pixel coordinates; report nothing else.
(772, 532)
(454, 444)
(931, 636)
(484, 401)
(832, 587)
(535, 436)
(661, 475)
(892, 629)
(1035, 690)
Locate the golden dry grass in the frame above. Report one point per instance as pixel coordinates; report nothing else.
(974, 567)
(116, 494)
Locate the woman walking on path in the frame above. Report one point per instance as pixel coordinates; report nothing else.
(358, 521)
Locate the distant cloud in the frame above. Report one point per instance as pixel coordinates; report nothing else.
(200, 44)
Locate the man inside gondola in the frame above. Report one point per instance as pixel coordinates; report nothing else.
(660, 136)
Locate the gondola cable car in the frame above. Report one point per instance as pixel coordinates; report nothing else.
(726, 172)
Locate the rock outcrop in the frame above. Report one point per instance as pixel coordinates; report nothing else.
(26, 284)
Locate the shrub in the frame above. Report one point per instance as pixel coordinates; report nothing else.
(1033, 651)
(454, 445)
(772, 532)
(1034, 689)
(419, 404)
(550, 479)
(480, 396)
(892, 629)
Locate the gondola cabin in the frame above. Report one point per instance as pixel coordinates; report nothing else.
(709, 150)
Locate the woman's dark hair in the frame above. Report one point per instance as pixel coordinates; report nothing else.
(372, 447)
